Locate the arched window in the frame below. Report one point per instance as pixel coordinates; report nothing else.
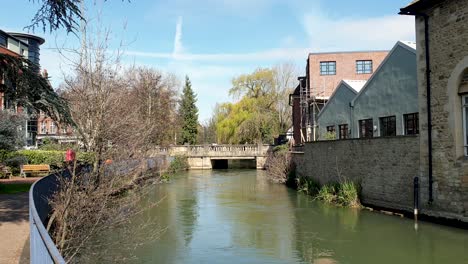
(463, 92)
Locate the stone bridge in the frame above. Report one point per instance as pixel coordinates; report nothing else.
(219, 156)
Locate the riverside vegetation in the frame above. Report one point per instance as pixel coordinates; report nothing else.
(281, 169)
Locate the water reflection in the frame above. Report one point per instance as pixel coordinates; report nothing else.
(238, 217)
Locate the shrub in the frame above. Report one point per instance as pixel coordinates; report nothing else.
(345, 193)
(54, 158)
(4, 155)
(11, 137)
(15, 162)
(307, 185)
(281, 148)
(86, 157)
(330, 136)
(179, 163)
(348, 194)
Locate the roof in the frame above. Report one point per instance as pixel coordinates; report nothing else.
(356, 85)
(345, 52)
(13, 37)
(28, 36)
(417, 5)
(410, 46)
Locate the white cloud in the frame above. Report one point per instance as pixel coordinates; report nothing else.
(326, 33)
(178, 47)
(270, 54)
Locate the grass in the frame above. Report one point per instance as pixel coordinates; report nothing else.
(14, 188)
(345, 193)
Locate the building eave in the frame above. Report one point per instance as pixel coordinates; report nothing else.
(417, 6)
(26, 35)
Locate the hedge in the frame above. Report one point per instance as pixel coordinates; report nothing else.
(52, 157)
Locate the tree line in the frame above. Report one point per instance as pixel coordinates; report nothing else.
(261, 111)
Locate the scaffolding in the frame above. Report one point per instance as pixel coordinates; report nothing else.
(312, 100)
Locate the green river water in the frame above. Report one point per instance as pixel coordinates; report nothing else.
(237, 216)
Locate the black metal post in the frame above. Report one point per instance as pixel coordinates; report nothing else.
(416, 197)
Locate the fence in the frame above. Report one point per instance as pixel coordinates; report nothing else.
(43, 249)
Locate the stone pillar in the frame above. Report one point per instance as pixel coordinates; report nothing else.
(261, 163)
(199, 163)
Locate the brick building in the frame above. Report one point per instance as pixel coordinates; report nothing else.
(324, 71)
(27, 46)
(37, 127)
(442, 61)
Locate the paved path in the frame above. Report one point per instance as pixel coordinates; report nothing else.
(14, 228)
(19, 180)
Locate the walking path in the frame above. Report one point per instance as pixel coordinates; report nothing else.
(14, 224)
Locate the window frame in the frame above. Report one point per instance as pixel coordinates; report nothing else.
(331, 129)
(366, 124)
(415, 121)
(53, 128)
(341, 128)
(327, 64)
(383, 122)
(43, 127)
(361, 66)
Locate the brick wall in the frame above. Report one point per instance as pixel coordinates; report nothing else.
(324, 85)
(385, 167)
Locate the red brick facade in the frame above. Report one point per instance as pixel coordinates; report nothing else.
(324, 85)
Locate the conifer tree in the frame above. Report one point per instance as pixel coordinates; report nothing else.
(188, 112)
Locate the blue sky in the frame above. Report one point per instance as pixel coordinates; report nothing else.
(212, 41)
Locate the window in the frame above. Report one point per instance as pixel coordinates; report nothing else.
(52, 128)
(366, 128)
(411, 124)
(327, 67)
(44, 127)
(388, 126)
(331, 129)
(343, 133)
(465, 122)
(363, 66)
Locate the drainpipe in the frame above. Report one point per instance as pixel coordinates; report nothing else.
(428, 105)
(351, 120)
(428, 96)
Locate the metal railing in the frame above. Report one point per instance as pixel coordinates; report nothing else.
(43, 249)
(215, 150)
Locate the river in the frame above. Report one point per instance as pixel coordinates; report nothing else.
(237, 216)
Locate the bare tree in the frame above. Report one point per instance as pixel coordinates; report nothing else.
(286, 80)
(88, 214)
(120, 113)
(153, 94)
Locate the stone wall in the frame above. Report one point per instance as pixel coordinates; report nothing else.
(385, 167)
(448, 50)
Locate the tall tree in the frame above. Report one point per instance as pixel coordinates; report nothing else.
(188, 113)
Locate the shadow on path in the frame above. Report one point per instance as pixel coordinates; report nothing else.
(14, 207)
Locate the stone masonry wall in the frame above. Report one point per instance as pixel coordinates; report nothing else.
(448, 48)
(385, 167)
